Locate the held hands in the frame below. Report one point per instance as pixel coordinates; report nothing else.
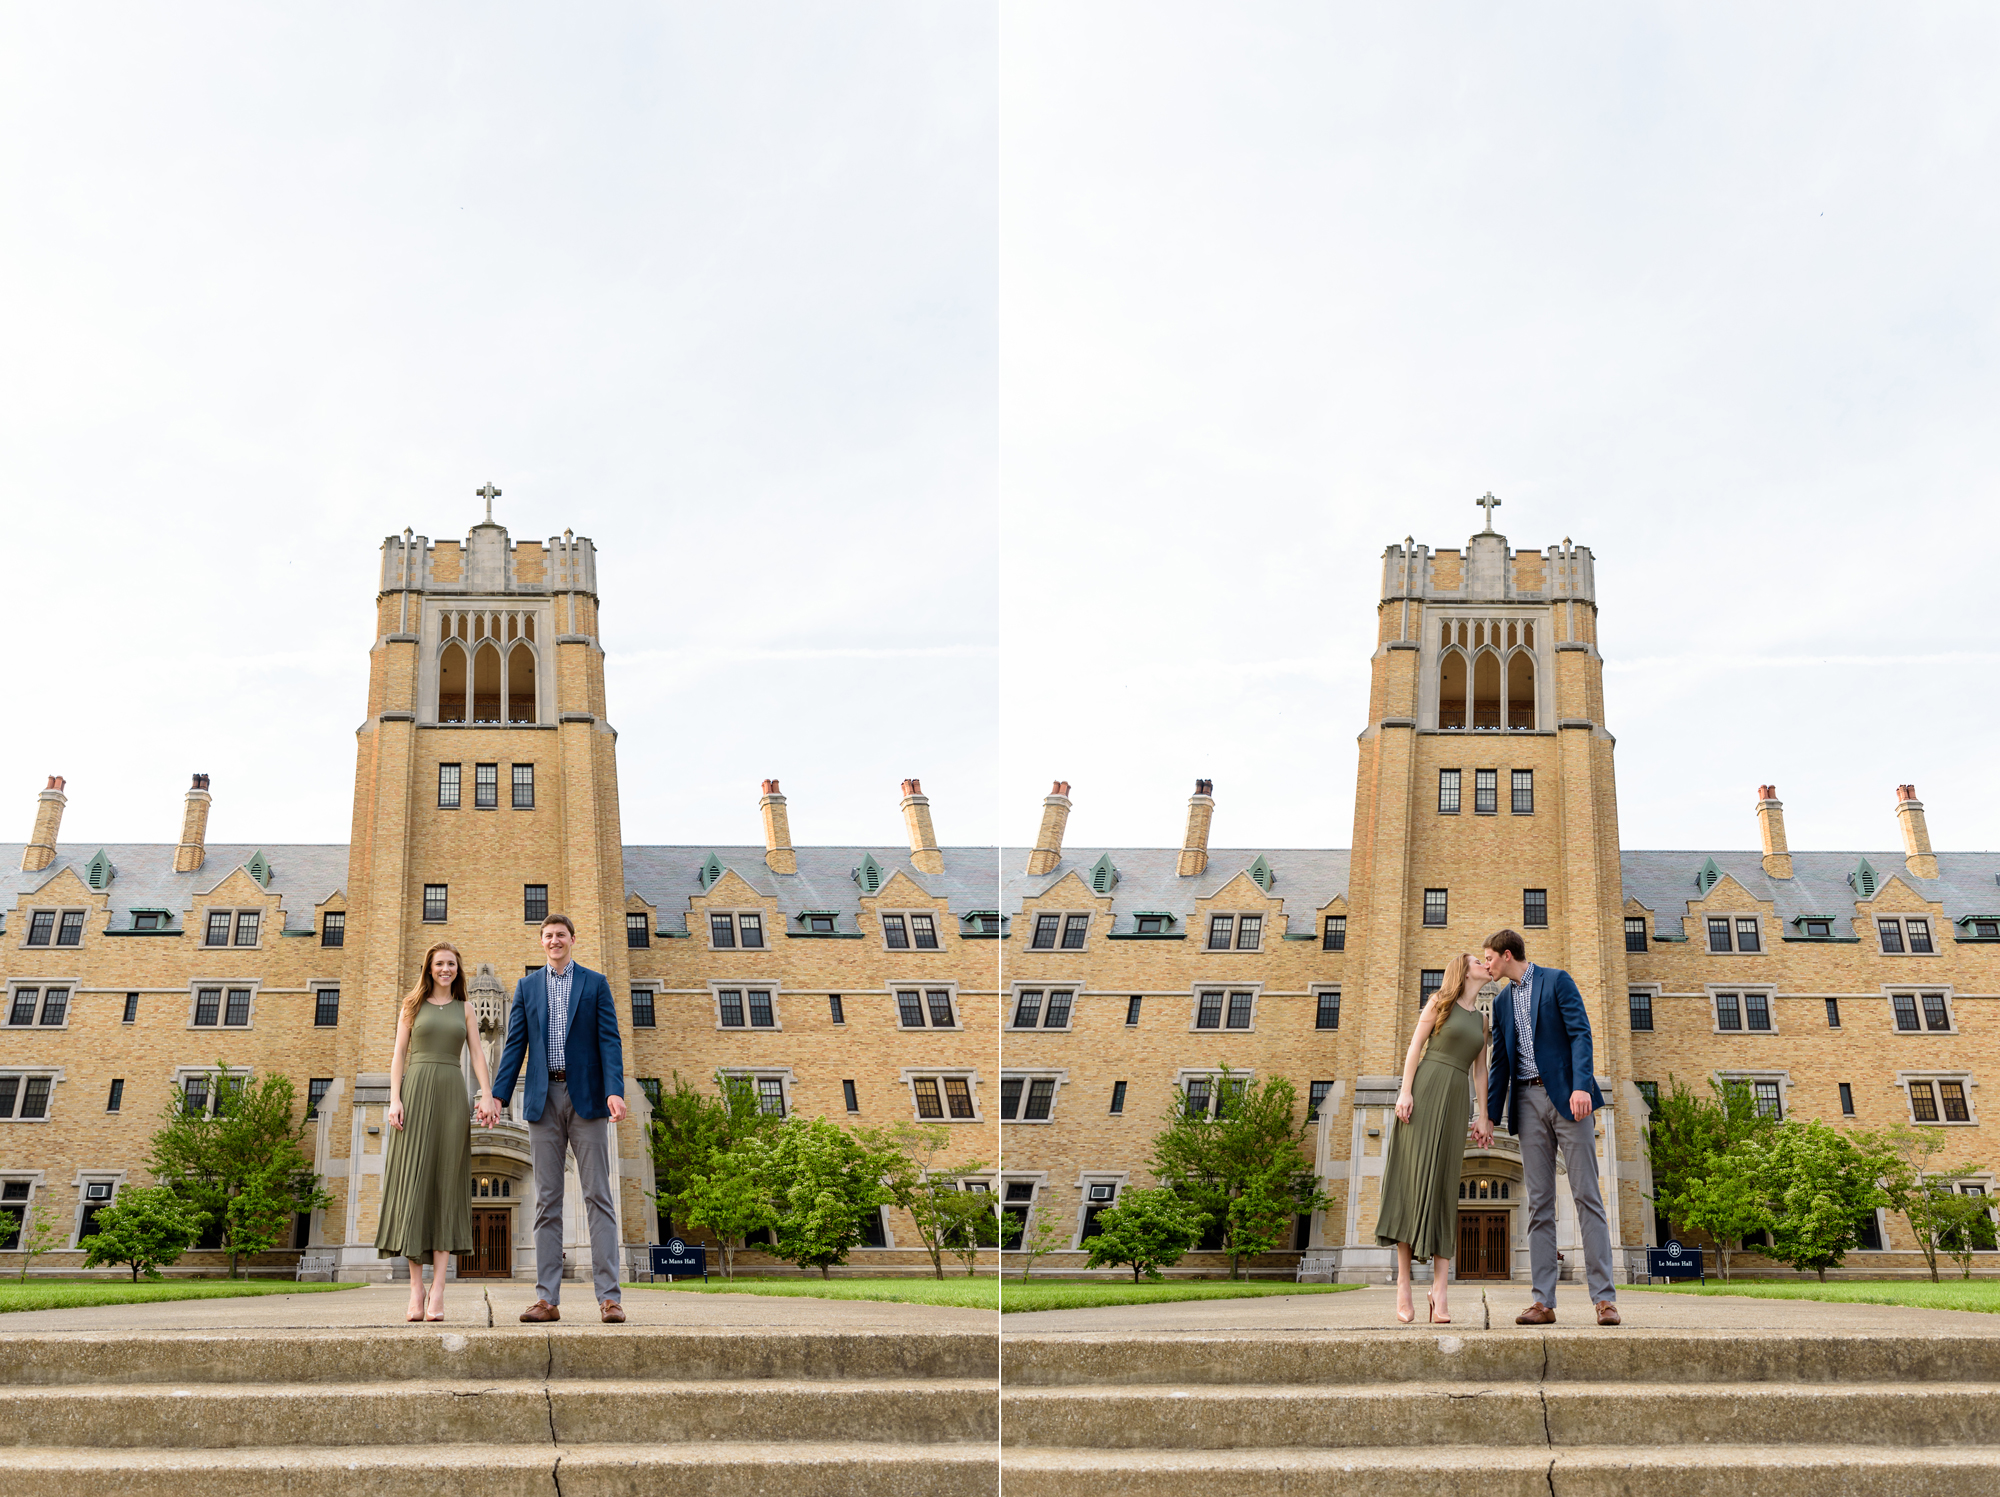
(1482, 1133)
(487, 1111)
(1404, 1107)
(1579, 1105)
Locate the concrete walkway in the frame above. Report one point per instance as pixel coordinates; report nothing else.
(466, 1305)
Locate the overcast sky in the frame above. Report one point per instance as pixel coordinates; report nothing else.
(1002, 395)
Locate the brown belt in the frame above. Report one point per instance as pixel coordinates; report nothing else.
(558, 1075)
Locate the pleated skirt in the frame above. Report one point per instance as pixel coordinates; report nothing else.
(427, 1176)
(1426, 1159)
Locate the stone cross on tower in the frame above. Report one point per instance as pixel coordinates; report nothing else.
(489, 494)
(1488, 503)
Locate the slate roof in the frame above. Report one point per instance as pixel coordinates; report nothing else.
(143, 876)
(1306, 879)
(665, 877)
(1968, 883)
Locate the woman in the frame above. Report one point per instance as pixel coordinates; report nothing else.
(1427, 1143)
(427, 1176)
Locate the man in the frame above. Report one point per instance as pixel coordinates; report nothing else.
(565, 1027)
(1543, 1075)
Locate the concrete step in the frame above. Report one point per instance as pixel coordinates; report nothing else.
(503, 1354)
(1467, 1471)
(1497, 1358)
(568, 1411)
(489, 1470)
(1526, 1415)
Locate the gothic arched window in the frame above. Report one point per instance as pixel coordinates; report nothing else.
(1451, 690)
(1521, 690)
(451, 684)
(520, 684)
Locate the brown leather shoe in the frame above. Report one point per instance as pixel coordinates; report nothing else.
(541, 1309)
(611, 1312)
(1536, 1314)
(1607, 1313)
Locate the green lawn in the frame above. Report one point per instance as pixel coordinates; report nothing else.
(968, 1293)
(1952, 1294)
(1060, 1294)
(72, 1294)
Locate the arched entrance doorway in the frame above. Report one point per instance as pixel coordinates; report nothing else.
(1487, 1199)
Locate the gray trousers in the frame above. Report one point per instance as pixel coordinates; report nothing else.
(1542, 1127)
(589, 1139)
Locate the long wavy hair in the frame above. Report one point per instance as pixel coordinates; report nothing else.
(1456, 976)
(427, 983)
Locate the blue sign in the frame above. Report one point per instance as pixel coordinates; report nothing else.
(678, 1260)
(1674, 1262)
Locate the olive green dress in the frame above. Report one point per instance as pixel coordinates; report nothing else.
(1427, 1154)
(427, 1176)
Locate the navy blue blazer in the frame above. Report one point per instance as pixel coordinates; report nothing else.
(593, 1055)
(1562, 1046)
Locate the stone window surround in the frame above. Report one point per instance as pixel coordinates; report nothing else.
(735, 985)
(1655, 992)
(1931, 923)
(34, 1180)
(1031, 917)
(254, 984)
(1312, 997)
(1256, 991)
(235, 912)
(55, 927)
(431, 650)
(1027, 1075)
(949, 986)
(1748, 1075)
(735, 913)
(1206, 917)
(939, 920)
(1185, 1074)
(1116, 1179)
(909, 1076)
(1918, 990)
(1903, 1080)
(208, 1070)
(1068, 1026)
(55, 1077)
(1039, 1180)
(1732, 916)
(41, 985)
(114, 1178)
(785, 1076)
(1769, 991)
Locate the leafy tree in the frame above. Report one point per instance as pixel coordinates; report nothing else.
(1968, 1228)
(906, 1156)
(1818, 1184)
(970, 1223)
(147, 1227)
(1688, 1131)
(1921, 1195)
(1727, 1203)
(733, 1199)
(1246, 1167)
(823, 1189)
(1046, 1233)
(1147, 1229)
(42, 1236)
(690, 1127)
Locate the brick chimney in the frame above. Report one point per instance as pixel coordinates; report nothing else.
(1048, 841)
(1917, 854)
(193, 851)
(778, 854)
(924, 854)
(41, 848)
(1771, 822)
(1194, 846)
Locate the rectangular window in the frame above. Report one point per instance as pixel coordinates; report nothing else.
(1437, 904)
(1058, 1017)
(1641, 1003)
(1428, 982)
(1891, 932)
(1757, 1010)
(1535, 907)
(722, 932)
(910, 1010)
(447, 787)
(1220, 928)
(326, 1008)
(642, 1008)
(1041, 1097)
(117, 1098)
(236, 1012)
(751, 928)
(1833, 1013)
(23, 1010)
(131, 1008)
(638, 934)
(958, 1096)
(1150, 925)
(10, 1088)
(771, 1096)
(1920, 935)
(1316, 1093)
(1524, 792)
(194, 1096)
(1846, 1100)
(207, 1005)
(1046, 927)
(839, 1014)
(316, 1090)
(246, 927)
(940, 1006)
(1923, 1102)
(820, 925)
(1905, 1005)
(761, 1015)
(923, 932)
(895, 935)
(1010, 1098)
(929, 1104)
(485, 787)
(848, 1095)
(1649, 1091)
(1819, 930)
(333, 928)
(35, 1097)
(1132, 1011)
(1335, 937)
(1197, 1097)
(1448, 792)
(55, 1006)
(1747, 938)
(1117, 1096)
(729, 1002)
(1936, 1015)
(219, 922)
(1075, 929)
(1728, 1013)
(1718, 933)
(1239, 1010)
(1952, 1095)
(524, 787)
(148, 920)
(1635, 933)
(41, 927)
(70, 933)
(1766, 1093)
(436, 902)
(1208, 1015)
(1485, 792)
(1249, 932)
(1328, 1013)
(1986, 930)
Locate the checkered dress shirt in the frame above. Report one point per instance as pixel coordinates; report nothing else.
(1524, 1031)
(558, 983)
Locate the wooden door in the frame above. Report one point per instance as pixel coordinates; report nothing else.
(1485, 1250)
(492, 1249)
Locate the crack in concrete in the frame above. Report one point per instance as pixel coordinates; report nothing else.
(1550, 1477)
(1547, 1433)
(549, 1397)
(487, 1294)
(555, 1475)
